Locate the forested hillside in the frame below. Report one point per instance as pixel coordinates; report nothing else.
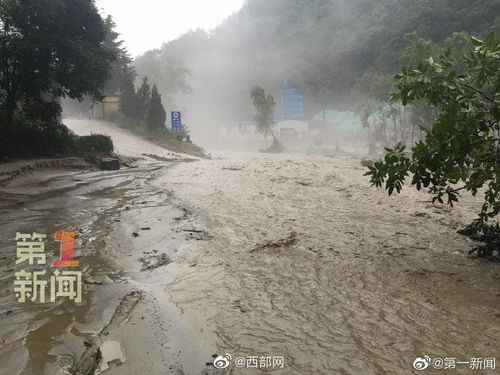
(324, 45)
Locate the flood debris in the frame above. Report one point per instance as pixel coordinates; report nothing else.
(174, 157)
(196, 234)
(160, 158)
(233, 167)
(154, 261)
(92, 358)
(186, 214)
(112, 356)
(289, 240)
(239, 305)
(89, 361)
(109, 164)
(366, 162)
(91, 281)
(305, 183)
(422, 214)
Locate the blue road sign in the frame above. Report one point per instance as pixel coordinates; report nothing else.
(176, 120)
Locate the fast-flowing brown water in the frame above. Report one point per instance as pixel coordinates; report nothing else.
(307, 261)
(275, 255)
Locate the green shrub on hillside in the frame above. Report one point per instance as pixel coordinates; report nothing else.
(95, 145)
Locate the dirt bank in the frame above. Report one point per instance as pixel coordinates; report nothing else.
(307, 261)
(30, 177)
(125, 142)
(13, 170)
(21, 179)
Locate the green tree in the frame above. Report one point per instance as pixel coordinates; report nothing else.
(166, 71)
(156, 115)
(144, 97)
(129, 104)
(50, 49)
(461, 150)
(264, 118)
(122, 68)
(264, 106)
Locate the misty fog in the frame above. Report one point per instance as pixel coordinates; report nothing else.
(324, 46)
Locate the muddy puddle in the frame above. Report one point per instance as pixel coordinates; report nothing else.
(127, 233)
(306, 261)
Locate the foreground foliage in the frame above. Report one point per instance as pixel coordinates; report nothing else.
(461, 149)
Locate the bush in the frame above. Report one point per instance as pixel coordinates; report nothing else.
(34, 139)
(31, 138)
(95, 144)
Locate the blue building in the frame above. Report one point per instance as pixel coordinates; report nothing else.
(292, 101)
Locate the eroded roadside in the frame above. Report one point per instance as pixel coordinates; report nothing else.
(127, 234)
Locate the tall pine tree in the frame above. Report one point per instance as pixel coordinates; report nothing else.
(129, 100)
(122, 67)
(144, 98)
(156, 115)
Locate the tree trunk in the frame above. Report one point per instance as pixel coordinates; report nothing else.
(10, 108)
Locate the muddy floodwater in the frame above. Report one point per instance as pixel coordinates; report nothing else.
(291, 256)
(307, 261)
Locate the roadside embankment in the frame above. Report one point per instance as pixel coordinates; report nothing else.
(22, 168)
(132, 143)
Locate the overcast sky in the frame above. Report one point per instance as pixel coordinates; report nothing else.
(146, 24)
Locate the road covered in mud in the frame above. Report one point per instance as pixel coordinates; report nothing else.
(287, 256)
(128, 234)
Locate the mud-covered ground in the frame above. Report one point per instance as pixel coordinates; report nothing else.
(307, 261)
(128, 232)
(287, 255)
